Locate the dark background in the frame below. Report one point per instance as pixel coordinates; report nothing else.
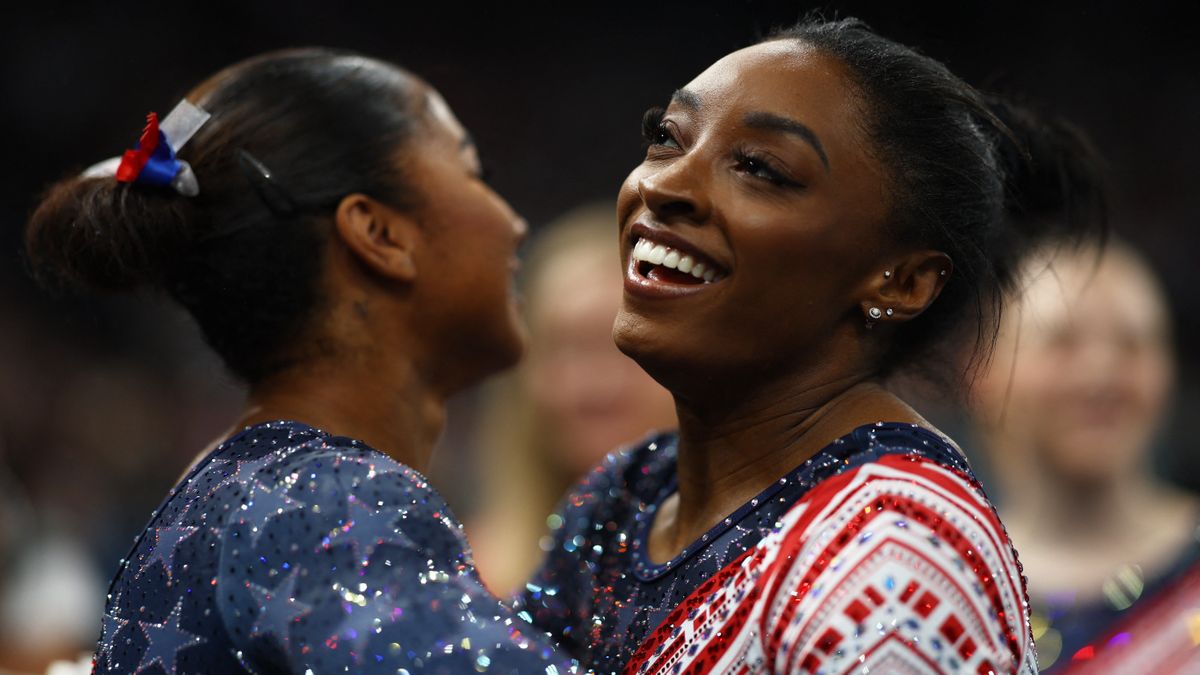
(103, 401)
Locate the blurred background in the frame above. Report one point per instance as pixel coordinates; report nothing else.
(103, 401)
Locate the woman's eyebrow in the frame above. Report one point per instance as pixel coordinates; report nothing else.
(686, 99)
(772, 122)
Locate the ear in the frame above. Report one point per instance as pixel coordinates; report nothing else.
(908, 286)
(382, 238)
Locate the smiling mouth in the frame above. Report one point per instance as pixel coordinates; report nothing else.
(661, 263)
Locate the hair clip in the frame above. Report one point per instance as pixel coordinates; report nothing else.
(269, 190)
(153, 161)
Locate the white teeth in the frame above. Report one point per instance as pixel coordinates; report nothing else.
(657, 254)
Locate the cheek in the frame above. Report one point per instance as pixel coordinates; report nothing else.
(628, 199)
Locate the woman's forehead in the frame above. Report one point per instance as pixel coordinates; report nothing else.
(781, 67)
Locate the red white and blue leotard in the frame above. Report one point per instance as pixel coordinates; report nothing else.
(879, 554)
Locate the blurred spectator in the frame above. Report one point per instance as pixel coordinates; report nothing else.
(574, 398)
(71, 500)
(1076, 393)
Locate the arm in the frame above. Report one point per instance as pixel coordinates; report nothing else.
(898, 562)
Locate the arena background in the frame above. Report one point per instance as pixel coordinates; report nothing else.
(104, 400)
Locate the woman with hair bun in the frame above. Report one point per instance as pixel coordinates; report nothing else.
(330, 232)
(815, 214)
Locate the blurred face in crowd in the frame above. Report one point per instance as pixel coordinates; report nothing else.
(589, 397)
(1083, 369)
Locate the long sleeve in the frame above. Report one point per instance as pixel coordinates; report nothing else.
(899, 562)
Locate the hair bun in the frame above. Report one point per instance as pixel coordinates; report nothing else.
(96, 233)
(1054, 176)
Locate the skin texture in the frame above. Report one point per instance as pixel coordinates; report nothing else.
(418, 304)
(774, 360)
(1078, 386)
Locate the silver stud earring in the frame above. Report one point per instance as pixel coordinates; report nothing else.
(889, 311)
(942, 273)
(873, 313)
(887, 274)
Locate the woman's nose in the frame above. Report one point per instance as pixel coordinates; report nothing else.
(677, 190)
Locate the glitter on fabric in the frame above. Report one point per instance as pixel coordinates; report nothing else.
(599, 595)
(290, 550)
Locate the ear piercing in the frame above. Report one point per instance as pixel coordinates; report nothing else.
(887, 274)
(874, 314)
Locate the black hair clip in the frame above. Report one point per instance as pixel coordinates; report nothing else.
(269, 190)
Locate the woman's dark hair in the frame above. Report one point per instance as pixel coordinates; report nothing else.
(291, 134)
(958, 171)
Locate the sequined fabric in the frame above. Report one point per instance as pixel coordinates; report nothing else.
(290, 550)
(896, 566)
(596, 591)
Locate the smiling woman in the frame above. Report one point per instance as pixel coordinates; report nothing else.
(813, 213)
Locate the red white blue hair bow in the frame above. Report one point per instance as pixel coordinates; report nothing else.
(153, 160)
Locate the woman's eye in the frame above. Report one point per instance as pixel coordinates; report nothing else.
(761, 169)
(655, 131)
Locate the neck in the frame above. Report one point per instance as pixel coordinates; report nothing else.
(382, 402)
(730, 452)
(1056, 510)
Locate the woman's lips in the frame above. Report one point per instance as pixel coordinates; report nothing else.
(658, 270)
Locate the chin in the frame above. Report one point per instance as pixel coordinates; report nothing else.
(661, 357)
(511, 346)
(483, 355)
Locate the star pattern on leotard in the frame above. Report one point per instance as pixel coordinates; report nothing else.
(266, 504)
(366, 529)
(165, 541)
(108, 631)
(165, 640)
(278, 609)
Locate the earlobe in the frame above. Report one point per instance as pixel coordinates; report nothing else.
(907, 288)
(380, 237)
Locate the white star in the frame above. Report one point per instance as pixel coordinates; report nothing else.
(277, 609)
(367, 529)
(108, 631)
(164, 640)
(265, 505)
(166, 539)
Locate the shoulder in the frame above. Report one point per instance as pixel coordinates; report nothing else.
(905, 543)
(318, 534)
(292, 476)
(897, 559)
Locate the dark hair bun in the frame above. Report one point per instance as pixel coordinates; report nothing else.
(96, 233)
(1055, 187)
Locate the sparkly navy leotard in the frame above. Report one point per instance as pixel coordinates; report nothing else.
(290, 550)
